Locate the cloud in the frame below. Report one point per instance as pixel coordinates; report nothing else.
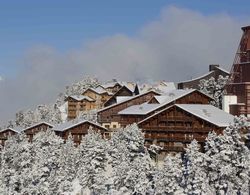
(1, 78)
(180, 44)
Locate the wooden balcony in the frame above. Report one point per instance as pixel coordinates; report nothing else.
(177, 129)
(167, 138)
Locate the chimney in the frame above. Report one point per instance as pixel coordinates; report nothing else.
(213, 67)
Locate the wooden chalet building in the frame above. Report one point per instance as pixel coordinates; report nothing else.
(77, 104)
(36, 128)
(136, 113)
(99, 95)
(78, 130)
(124, 91)
(109, 117)
(177, 125)
(6, 133)
(214, 71)
(111, 87)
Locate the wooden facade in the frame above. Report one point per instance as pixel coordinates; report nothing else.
(31, 131)
(174, 127)
(113, 88)
(123, 91)
(100, 98)
(194, 97)
(5, 134)
(110, 114)
(76, 106)
(79, 130)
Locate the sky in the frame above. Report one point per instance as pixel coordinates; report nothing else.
(46, 45)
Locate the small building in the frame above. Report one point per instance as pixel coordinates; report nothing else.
(77, 104)
(177, 125)
(78, 130)
(124, 91)
(6, 133)
(136, 113)
(36, 128)
(99, 95)
(109, 117)
(214, 71)
(112, 87)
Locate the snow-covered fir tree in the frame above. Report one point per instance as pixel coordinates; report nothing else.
(168, 179)
(195, 172)
(67, 164)
(228, 161)
(92, 160)
(214, 88)
(130, 161)
(46, 172)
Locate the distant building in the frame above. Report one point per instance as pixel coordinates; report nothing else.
(109, 117)
(214, 71)
(36, 128)
(6, 133)
(77, 104)
(78, 130)
(124, 91)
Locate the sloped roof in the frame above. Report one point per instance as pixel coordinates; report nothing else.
(198, 78)
(14, 129)
(122, 98)
(141, 109)
(209, 113)
(67, 125)
(206, 112)
(37, 124)
(168, 98)
(132, 97)
(99, 90)
(81, 97)
(173, 95)
(110, 84)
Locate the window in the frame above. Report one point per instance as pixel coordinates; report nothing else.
(114, 126)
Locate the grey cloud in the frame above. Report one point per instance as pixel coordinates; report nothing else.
(179, 45)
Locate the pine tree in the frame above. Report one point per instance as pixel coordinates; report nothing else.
(228, 161)
(46, 170)
(214, 88)
(92, 162)
(169, 178)
(195, 172)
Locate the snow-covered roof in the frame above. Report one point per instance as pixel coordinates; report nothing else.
(165, 87)
(14, 129)
(122, 98)
(206, 112)
(133, 97)
(81, 97)
(209, 113)
(222, 69)
(69, 124)
(99, 90)
(198, 78)
(131, 86)
(141, 109)
(37, 124)
(109, 84)
(163, 100)
(173, 95)
(160, 86)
